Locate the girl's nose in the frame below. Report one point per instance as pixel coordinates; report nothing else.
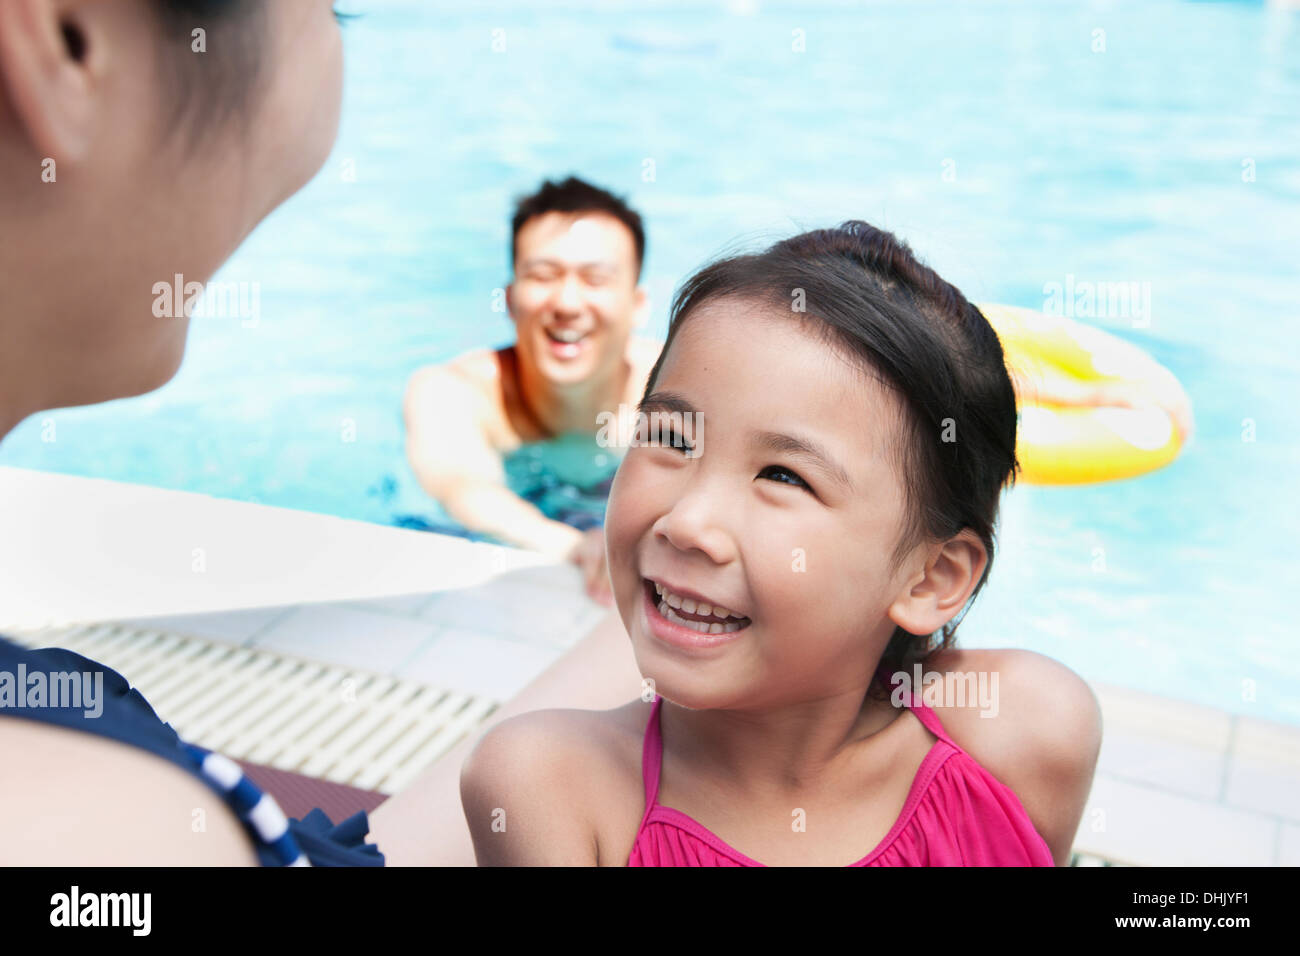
(694, 523)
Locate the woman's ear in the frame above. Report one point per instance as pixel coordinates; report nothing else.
(933, 596)
(45, 52)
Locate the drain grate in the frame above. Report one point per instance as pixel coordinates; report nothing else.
(334, 723)
(1079, 858)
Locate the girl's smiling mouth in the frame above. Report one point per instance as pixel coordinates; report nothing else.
(681, 627)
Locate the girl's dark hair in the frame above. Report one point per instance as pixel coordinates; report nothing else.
(209, 87)
(872, 300)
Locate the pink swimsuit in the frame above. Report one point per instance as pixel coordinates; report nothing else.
(956, 814)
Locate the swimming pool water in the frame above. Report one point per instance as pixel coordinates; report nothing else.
(997, 138)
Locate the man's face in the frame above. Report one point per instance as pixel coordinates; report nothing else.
(575, 299)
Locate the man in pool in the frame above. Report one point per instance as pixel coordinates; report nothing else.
(577, 253)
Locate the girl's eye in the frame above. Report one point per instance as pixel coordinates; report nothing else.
(778, 470)
(674, 440)
(670, 439)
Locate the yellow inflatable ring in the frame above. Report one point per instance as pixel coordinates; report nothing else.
(1067, 435)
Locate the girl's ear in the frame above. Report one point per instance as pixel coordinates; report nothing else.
(933, 596)
(46, 52)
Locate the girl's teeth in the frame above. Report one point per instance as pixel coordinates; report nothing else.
(691, 607)
(702, 627)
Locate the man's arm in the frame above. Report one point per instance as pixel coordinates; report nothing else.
(456, 465)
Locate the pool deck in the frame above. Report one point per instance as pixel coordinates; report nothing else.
(1177, 783)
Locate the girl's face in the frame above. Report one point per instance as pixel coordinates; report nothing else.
(786, 513)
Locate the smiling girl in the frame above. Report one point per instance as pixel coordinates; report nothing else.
(827, 527)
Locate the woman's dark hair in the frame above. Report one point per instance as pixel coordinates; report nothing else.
(209, 87)
(865, 292)
(574, 195)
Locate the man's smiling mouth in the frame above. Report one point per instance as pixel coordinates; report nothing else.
(567, 336)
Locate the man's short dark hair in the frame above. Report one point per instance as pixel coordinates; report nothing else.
(576, 196)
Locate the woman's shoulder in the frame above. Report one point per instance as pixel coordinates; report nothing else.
(89, 800)
(573, 769)
(1038, 732)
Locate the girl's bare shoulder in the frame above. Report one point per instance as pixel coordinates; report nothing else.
(586, 736)
(587, 761)
(1037, 729)
(1021, 698)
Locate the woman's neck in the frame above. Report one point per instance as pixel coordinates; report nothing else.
(18, 397)
(8, 421)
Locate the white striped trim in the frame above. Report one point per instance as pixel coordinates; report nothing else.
(223, 771)
(268, 819)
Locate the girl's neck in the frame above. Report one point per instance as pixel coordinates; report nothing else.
(784, 751)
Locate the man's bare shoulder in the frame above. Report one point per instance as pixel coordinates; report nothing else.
(468, 384)
(477, 368)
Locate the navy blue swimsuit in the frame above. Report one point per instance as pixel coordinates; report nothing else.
(126, 716)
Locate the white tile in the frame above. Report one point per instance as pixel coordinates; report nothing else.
(1174, 744)
(1264, 770)
(349, 636)
(233, 626)
(510, 610)
(1289, 845)
(1165, 718)
(405, 605)
(562, 577)
(479, 664)
(1172, 764)
(1141, 825)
